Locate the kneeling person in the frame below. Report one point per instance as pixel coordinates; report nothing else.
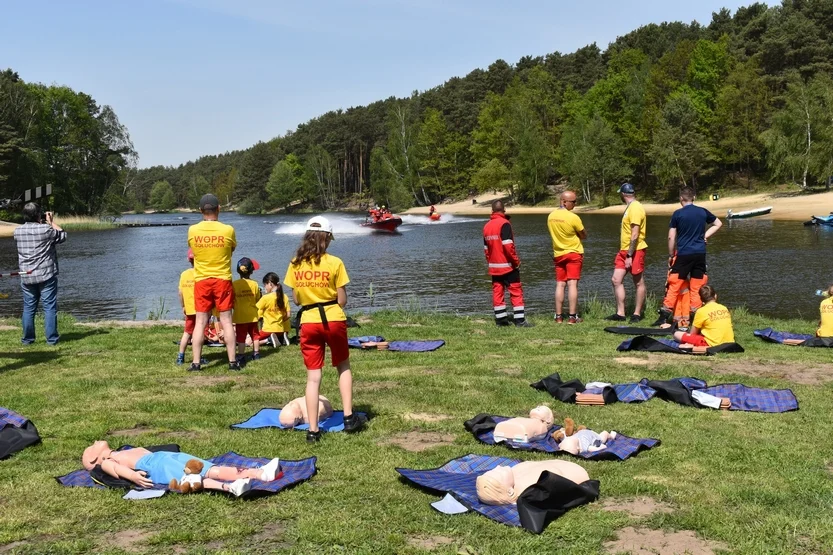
(712, 323)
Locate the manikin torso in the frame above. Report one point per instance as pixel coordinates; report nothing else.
(524, 430)
(295, 411)
(519, 477)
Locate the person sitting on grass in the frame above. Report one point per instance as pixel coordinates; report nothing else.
(826, 315)
(145, 469)
(712, 323)
(244, 318)
(273, 307)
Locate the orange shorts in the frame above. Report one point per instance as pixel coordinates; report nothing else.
(568, 266)
(696, 340)
(637, 265)
(314, 337)
(211, 292)
(190, 322)
(242, 330)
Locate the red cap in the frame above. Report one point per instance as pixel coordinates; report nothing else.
(190, 254)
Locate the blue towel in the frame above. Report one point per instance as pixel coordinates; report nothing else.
(294, 472)
(619, 449)
(754, 399)
(769, 334)
(458, 477)
(270, 418)
(356, 342)
(416, 346)
(11, 418)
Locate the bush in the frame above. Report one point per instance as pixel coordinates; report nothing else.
(250, 205)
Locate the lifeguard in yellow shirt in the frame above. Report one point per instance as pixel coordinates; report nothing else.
(213, 243)
(631, 256)
(712, 323)
(567, 233)
(826, 315)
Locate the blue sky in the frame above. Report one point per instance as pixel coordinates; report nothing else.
(195, 77)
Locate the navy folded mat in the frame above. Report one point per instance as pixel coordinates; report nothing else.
(270, 418)
(772, 336)
(678, 390)
(661, 345)
(294, 472)
(403, 346)
(620, 448)
(628, 330)
(537, 506)
(16, 433)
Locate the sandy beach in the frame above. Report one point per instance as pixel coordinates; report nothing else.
(785, 206)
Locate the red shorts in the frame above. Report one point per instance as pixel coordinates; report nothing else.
(211, 292)
(696, 340)
(242, 330)
(190, 322)
(315, 336)
(568, 266)
(637, 265)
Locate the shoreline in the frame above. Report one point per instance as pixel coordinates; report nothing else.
(797, 207)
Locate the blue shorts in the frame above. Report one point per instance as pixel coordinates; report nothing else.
(165, 466)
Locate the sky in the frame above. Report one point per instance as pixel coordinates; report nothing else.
(195, 77)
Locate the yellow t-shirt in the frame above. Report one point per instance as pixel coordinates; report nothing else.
(274, 321)
(634, 215)
(246, 295)
(186, 287)
(826, 312)
(715, 323)
(318, 283)
(212, 243)
(564, 227)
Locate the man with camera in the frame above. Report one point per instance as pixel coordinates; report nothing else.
(36, 253)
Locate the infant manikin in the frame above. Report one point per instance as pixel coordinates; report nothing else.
(295, 412)
(504, 484)
(524, 430)
(586, 441)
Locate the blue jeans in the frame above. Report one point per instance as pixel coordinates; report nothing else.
(46, 291)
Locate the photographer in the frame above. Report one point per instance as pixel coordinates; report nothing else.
(36, 240)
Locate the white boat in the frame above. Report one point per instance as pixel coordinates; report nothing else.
(749, 213)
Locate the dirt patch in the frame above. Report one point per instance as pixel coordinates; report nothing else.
(4, 327)
(479, 332)
(480, 321)
(420, 441)
(637, 507)
(364, 320)
(512, 371)
(426, 417)
(272, 536)
(815, 374)
(127, 539)
(201, 380)
(644, 541)
(406, 325)
(632, 360)
(375, 386)
(5, 548)
(136, 430)
(429, 543)
(130, 323)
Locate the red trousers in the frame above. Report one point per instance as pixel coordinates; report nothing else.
(512, 282)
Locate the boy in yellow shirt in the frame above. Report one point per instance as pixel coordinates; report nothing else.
(186, 301)
(273, 307)
(246, 296)
(712, 323)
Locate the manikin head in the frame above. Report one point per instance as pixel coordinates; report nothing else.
(94, 454)
(627, 192)
(568, 200)
(542, 413)
(497, 486)
(292, 414)
(686, 196)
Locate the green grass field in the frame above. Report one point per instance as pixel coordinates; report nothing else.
(750, 483)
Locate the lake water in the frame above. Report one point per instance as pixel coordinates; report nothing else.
(772, 267)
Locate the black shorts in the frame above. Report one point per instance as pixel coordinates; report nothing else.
(688, 266)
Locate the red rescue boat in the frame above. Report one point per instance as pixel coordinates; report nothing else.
(434, 217)
(382, 220)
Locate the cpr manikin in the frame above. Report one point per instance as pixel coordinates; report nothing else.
(524, 430)
(584, 441)
(295, 412)
(504, 484)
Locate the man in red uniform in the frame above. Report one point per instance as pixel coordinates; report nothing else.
(504, 264)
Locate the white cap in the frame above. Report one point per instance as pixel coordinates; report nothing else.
(320, 223)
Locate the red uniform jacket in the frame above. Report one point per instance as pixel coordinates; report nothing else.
(499, 244)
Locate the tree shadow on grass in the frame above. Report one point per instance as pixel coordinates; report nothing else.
(78, 335)
(26, 358)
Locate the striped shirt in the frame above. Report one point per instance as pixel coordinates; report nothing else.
(36, 251)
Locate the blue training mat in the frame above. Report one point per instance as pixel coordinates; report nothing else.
(769, 334)
(294, 472)
(403, 346)
(9, 417)
(270, 418)
(755, 399)
(618, 449)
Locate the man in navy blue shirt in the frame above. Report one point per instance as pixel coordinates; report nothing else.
(690, 228)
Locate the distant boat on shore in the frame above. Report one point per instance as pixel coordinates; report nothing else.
(749, 213)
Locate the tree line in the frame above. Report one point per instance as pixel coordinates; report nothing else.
(748, 97)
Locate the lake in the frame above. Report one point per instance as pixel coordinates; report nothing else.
(771, 267)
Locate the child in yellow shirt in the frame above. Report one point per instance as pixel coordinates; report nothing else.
(712, 323)
(273, 307)
(186, 301)
(246, 295)
(826, 315)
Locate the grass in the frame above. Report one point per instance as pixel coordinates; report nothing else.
(84, 223)
(756, 482)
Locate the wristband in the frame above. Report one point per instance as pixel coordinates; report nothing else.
(628, 255)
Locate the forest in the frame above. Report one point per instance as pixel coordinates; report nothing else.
(746, 99)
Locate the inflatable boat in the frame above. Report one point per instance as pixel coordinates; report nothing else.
(749, 213)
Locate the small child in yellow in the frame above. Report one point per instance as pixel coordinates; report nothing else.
(273, 307)
(712, 323)
(826, 315)
(246, 295)
(186, 301)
